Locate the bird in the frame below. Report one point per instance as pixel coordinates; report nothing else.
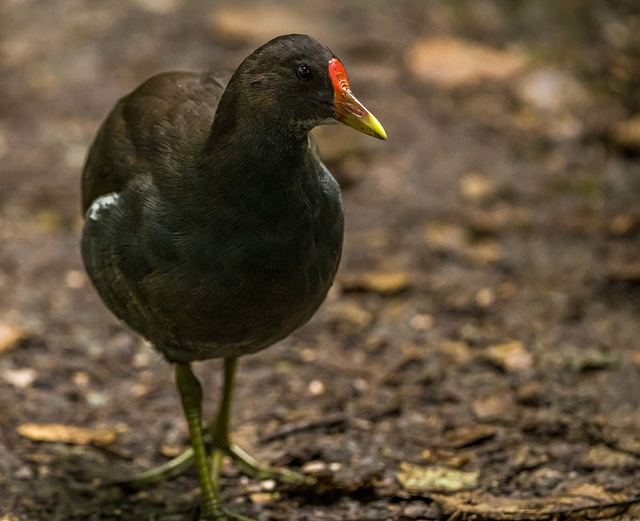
(213, 229)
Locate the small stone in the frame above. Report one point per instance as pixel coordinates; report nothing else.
(23, 473)
(476, 186)
(551, 90)
(268, 484)
(485, 297)
(314, 467)
(421, 322)
(316, 387)
(96, 399)
(335, 466)
(20, 378)
(75, 279)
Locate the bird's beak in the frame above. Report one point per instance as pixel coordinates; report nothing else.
(347, 108)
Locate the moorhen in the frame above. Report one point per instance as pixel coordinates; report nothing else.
(213, 229)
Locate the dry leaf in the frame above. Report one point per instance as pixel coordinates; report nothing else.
(10, 335)
(445, 236)
(602, 456)
(475, 186)
(584, 502)
(352, 313)
(468, 435)
(510, 356)
(240, 23)
(627, 133)
(262, 498)
(494, 407)
(385, 283)
(451, 62)
(66, 434)
(415, 477)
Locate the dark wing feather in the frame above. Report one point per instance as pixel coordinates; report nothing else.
(174, 108)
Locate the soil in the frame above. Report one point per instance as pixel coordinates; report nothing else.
(483, 328)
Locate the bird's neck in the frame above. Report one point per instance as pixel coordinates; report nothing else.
(256, 146)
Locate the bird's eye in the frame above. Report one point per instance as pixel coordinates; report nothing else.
(304, 73)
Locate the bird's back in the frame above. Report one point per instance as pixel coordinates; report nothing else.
(175, 108)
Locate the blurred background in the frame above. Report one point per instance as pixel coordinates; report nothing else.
(482, 338)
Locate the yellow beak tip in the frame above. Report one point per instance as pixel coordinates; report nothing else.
(377, 128)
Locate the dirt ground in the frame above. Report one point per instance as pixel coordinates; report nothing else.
(479, 355)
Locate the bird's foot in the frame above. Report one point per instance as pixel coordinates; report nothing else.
(247, 464)
(168, 470)
(255, 470)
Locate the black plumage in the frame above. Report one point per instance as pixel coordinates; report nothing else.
(220, 239)
(212, 227)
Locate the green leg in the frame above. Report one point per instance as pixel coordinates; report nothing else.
(217, 435)
(219, 431)
(191, 396)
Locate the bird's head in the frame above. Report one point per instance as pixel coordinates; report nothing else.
(296, 81)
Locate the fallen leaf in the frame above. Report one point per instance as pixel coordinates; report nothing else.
(531, 394)
(453, 238)
(580, 503)
(551, 90)
(451, 62)
(10, 335)
(501, 217)
(262, 498)
(415, 477)
(494, 407)
(258, 23)
(510, 356)
(66, 434)
(595, 360)
(468, 435)
(458, 351)
(475, 186)
(624, 272)
(384, 283)
(484, 252)
(171, 451)
(626, 134)
(158, 6)
(602, 457)
(348, 312)
(445, 236)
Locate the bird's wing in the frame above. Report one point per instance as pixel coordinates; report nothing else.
(165, 117)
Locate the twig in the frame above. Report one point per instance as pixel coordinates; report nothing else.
(330, 420)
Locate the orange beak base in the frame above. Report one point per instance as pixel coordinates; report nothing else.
(347, 108)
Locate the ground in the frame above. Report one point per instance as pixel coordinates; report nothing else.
(479, 354)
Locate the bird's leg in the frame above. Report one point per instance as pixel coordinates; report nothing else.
(216, 435)
(191, 396)
(219, 431)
